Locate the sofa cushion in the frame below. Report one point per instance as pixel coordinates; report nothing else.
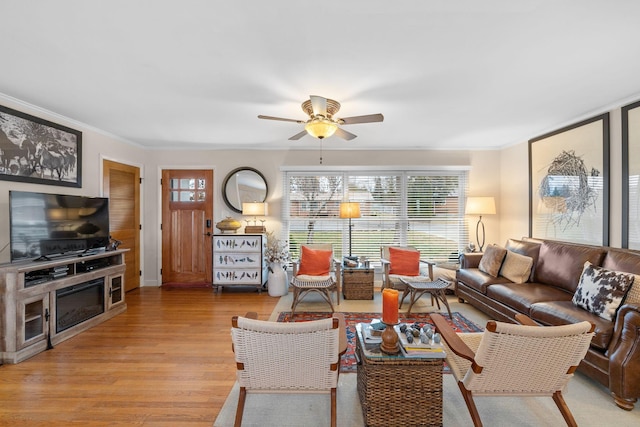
(492, 260)
(565, 312)
(520, 296)
(516, 267)
(478, 280)
(526, 248)
(601, 291)
(560, 264)
(622, 260)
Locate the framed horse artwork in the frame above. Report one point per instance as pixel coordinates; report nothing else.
(38, 151)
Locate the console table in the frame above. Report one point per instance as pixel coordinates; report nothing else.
(41, 301)
(397, 390)
(239, 260)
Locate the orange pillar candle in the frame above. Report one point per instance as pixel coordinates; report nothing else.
(389, 306)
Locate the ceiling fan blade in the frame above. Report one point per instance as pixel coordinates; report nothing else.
(341, 133)
(298, 136)
(370, 118)
(319, 105)
(280, 119)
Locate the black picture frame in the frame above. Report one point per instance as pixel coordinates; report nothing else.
(38, 151)
(630, 175)
(569, 183)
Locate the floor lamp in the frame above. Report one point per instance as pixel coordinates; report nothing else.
(350, 210)
(480, 206)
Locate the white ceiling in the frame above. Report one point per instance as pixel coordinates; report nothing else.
(189, 74)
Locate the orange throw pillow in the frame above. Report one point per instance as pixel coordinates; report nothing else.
(315, 262)
(404, 262)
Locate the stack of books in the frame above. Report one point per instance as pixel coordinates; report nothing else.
(418, 348)
(372, 332)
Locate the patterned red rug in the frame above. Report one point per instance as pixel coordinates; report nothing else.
(348, 363)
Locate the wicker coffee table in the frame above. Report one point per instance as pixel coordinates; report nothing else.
(398, 391)
(417, 289)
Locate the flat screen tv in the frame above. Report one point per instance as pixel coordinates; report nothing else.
(44, 226)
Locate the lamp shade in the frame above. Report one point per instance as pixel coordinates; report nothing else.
(255, 208)
(480, 206)
(349, 210)
(321, 128)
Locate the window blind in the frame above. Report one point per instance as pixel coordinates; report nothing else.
(424, 209)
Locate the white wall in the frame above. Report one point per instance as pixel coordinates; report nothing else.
(95, 146)
(269, 163)
(502, 174)
(514, 191)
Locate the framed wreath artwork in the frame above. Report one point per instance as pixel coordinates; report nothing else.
(569, 183)
(630, 176)
(39, 151)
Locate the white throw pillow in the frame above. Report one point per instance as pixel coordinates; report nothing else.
(516, 267)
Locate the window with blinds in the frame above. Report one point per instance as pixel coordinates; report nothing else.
(424, 209)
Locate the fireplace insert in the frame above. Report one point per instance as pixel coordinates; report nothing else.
(78, 303)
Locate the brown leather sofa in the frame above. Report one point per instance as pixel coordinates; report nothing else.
(614, 357)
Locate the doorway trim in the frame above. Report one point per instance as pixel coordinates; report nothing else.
(142, 216)
(160, 170)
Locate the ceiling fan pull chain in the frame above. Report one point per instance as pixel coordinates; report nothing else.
(320, 151)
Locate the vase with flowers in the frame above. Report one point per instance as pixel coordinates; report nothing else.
(277, 255)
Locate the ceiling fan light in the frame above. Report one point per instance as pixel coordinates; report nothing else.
(321, 128)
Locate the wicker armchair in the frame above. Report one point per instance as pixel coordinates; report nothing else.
(392, 280)
(323, 284)
(298, 357)
(515, 360)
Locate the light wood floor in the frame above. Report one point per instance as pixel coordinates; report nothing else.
(166, 361)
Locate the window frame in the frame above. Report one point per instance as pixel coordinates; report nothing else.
(403, 219)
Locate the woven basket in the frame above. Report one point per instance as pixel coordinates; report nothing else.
(357, 284)
(400, 393)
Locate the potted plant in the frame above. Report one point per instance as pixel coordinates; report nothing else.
(277, 255)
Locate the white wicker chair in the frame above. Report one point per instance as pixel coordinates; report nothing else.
(296, 357)
(304, 284)
(515, 360)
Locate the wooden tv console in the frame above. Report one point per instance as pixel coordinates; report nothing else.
(29, 293)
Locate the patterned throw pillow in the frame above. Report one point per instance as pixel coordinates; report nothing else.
(601, 291)
(492, 260)
(516, 267)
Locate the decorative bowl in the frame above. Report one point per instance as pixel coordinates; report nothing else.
(228, 224)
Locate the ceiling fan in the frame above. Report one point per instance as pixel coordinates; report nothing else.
(321, 123)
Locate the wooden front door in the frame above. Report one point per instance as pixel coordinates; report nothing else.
(187, 226)
(121, 184)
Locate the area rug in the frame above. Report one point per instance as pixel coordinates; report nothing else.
(348, 363)
(590, 404)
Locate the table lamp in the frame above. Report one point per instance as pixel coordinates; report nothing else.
(480, 206)
(256, 209)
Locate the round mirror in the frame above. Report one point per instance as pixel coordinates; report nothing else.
(244, 185)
